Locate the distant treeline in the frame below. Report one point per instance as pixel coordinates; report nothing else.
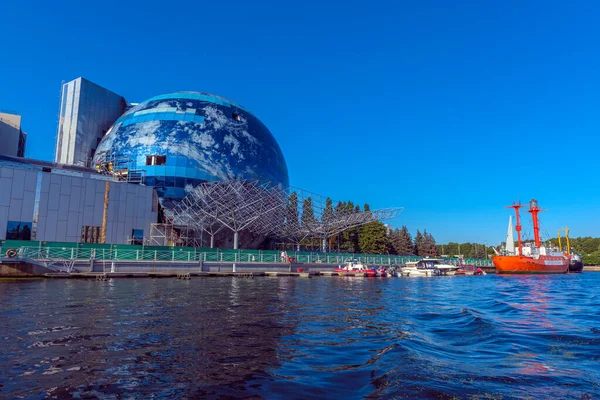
(587, 246)
(372, 238)
(467, 250)
(377, 238)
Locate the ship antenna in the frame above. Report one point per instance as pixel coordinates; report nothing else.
(516, 207)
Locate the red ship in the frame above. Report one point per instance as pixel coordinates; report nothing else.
(531, 258)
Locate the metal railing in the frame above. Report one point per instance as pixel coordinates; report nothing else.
(216, 255)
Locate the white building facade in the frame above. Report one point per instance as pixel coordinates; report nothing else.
(47, 203)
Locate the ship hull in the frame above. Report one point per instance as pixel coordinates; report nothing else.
(576, 266)
(529, 265)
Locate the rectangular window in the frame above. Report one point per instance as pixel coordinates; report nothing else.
(18, 230)
(90, 234)
(137, 236)
(156, 160)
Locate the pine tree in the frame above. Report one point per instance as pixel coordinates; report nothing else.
(340, 207)
(308, 214)
(292, 210)
(328, 212)
(403, 242)
(429, 244)
(373, 238)
(349, 240)
(394, 240)
(418, 244)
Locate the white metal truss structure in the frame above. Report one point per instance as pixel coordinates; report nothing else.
(310, 215)
(293, 214)
(170, 234)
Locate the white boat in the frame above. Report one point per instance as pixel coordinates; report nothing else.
(428, 267)
(354, 267)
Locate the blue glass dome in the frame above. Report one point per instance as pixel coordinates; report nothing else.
(181, 139)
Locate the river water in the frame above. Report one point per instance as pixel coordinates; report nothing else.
(283, 338)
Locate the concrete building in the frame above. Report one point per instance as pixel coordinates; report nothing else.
(12, 138)
(87, 111)
(46, 202)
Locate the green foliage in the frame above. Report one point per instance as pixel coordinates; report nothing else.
(583, 245)
(588, 247)
(428, 245)
(592, 258)
(308, 214)
(349, 239)
(372, 238)
(292, 210)
(418, 243)
(467, 250)
(401, 241)
(328, 212)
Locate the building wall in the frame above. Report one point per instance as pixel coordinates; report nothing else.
(10, 134)
(66, 201)
(87, 111)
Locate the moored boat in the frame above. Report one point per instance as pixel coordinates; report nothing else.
(428, 267)
(355, 268)
(532, 258)
(469, 270)
(576, 264)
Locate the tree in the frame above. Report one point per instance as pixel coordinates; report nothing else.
(373, 238)
(328, 212)
(418, 244)
(292, 210)
(428, 246)
(349, 240)
(478, 250)
(308, 214)
(402, 242)
(367, 209)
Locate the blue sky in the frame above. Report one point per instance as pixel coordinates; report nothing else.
(450, 109)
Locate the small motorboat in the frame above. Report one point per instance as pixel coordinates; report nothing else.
(428, 267)
(469, 270)
(355, 268)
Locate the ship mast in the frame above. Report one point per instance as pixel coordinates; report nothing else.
(516, 206)
(534, 209)
(559, 244)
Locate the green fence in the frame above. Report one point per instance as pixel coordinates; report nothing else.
(83, 252)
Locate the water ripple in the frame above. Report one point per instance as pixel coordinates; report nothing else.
(452, 337)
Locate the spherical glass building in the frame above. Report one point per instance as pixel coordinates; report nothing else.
(178, 140)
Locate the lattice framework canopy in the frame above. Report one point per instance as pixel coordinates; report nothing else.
(291, 213)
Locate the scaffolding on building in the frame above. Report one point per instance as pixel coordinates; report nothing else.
(120, 167)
